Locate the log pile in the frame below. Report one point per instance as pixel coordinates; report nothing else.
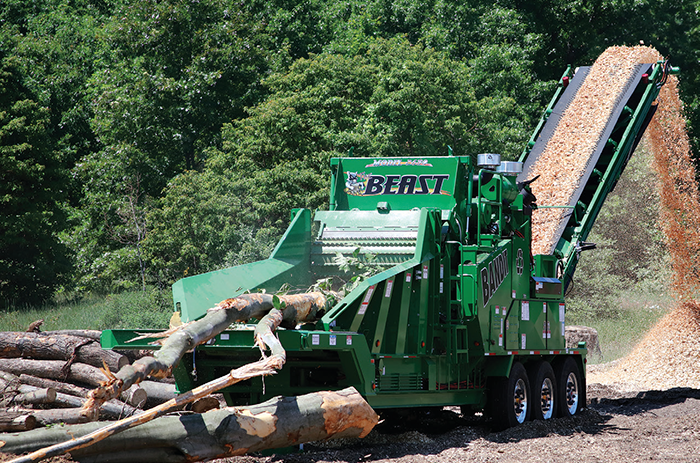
(46, 378)
(61, 380)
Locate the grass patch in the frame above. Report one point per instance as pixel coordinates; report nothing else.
(133, 309)
(618, 336)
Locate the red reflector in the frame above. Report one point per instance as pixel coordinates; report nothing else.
(515, 352)
(565, 81)
(372, 360)
(537, 352)
(377, 343)
(576, 352)
(422, 344)
(645, 79)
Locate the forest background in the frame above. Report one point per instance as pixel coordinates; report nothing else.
(143, 141)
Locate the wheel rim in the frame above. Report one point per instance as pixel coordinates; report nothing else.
(520, 401)
(572, 393)
(547, 399)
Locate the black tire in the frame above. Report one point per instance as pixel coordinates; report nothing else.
(570, 388)
(544, 398)
(508, 399)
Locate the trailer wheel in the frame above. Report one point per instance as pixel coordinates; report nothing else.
(508, 399)
(570, 388)
(544, 395)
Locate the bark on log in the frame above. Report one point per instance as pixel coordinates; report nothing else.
(136, 396)
(279, 422)
(53, 369)
(58, 415)
(14, 392)
(59, 347)
(36, 397)
(59, 386)
(298, 308)
(112, 409)
(16, 420)
(91, 334)
(260, 368)
(158, 393)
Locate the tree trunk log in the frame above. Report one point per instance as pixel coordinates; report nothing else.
(16, 393)
(112, 409)
(90, 334)
(58, 415)
(59, 347)
(279, 422)
(59, 386)
(53, 369)
(17, 420)
(36, 397)
(158, 393)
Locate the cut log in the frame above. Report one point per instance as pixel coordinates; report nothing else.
(36, 397)
(158, 393)
(205, 404)
(17, 420)
(279, 422)
(59, 386)
(91, 334)
(53, 369)
(577, 333)
(58, 416)
(16, 393)
(58, 347)
(136, 396)
(112, 409)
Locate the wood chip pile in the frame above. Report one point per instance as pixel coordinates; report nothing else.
(567, 154)
(669, 354)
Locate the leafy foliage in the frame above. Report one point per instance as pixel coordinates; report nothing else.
(32, 261)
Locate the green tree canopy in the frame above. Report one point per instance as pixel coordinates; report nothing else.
(32, 261)
(396, 99)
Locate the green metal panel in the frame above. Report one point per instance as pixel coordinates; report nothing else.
(400, 183)
(287, 264)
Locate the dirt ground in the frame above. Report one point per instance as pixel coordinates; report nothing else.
(617, 426)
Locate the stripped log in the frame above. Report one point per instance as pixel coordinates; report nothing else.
(54, 369)
(59, 347)
(298, 308)
(279, 422)
(22, 420)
